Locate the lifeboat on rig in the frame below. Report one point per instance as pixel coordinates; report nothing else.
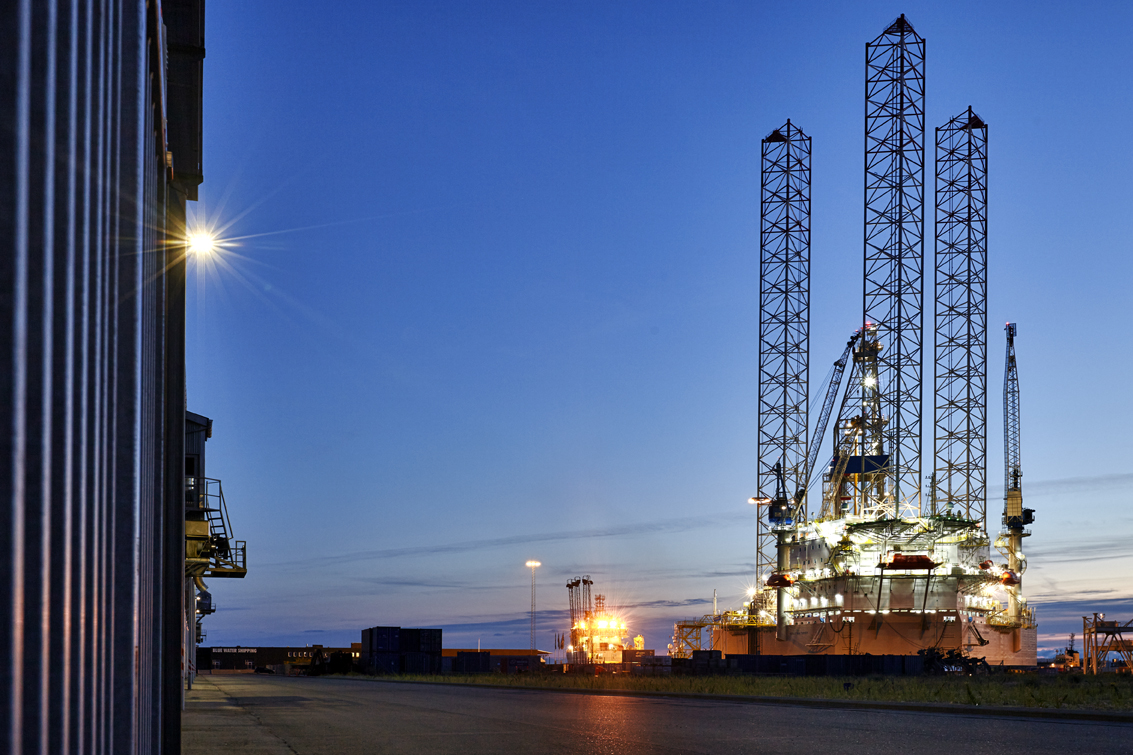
(910, 561)
(1010, 579)
(779, 580)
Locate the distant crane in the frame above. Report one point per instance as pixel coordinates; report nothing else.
(1015, 517)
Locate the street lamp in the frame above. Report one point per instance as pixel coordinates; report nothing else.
(533, 565)
(758, 501)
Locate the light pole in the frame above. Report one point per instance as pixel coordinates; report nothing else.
(533, 565)
(757, 502)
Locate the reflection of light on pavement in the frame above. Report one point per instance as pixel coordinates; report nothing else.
(612, 726)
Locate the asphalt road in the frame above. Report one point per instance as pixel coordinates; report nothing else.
(264, 714)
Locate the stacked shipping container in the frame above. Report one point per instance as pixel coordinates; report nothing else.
(393, 650)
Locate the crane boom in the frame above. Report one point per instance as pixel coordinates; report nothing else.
(1012, 453)
(1015, 517)
(861, 432)
(824, 419)
(843, 448)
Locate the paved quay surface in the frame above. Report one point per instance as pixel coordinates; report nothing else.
(267, 714)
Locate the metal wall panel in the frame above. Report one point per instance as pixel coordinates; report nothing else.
(91, 292)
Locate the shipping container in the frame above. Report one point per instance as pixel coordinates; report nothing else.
(420, 640)
(472, 662)
(382, 639)
(420, 663)
(381, 663)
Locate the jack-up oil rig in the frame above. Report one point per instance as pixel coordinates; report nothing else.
(876, 565)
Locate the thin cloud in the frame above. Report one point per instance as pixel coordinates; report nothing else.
(670, 603)
(1075, 609)
(1067, 486)
(423, 584)
(1075, 552)
(1071, 485)
(636, 529)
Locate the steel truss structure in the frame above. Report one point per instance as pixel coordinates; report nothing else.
(1102, 638)
(687, 637)
(581, 609)
(960, 406)
(894, 246)
(784, 321)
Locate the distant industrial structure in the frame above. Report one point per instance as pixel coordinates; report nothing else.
(596, 635)
(1105, 643)
(870, 563)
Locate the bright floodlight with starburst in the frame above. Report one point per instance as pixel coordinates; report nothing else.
(202, 243)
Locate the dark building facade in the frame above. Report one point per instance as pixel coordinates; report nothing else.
(497, 660)
(278, 660)
(100, 149)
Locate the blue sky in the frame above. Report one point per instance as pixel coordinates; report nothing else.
(493, 283)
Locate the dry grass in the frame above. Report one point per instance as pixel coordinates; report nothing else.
(1108, 692)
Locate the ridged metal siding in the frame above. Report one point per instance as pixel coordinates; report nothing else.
(85, 380)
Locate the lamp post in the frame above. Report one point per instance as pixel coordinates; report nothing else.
(533, 565)
(757, 502)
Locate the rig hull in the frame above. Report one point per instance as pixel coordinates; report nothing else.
(895, 635)
(897, 586)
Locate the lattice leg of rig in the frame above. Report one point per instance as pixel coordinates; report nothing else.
(894, 246)
(961, 316)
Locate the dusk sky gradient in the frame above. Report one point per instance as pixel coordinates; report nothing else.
(492, 295)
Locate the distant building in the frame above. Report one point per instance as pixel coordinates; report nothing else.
(501, 661)
(279, 660)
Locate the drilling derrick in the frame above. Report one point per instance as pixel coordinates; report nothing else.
(581, 615)
(894, 247)
(784, 316)
(960, 478)
(1015, 517)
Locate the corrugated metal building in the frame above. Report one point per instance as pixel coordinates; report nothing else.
(100, 148)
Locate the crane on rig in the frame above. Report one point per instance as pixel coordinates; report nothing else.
(857, 439)
(783, 511)
(1015, 517)
(824, 419)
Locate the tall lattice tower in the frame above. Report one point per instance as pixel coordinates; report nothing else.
(961, 317)
(894, 247)
(784, 320)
